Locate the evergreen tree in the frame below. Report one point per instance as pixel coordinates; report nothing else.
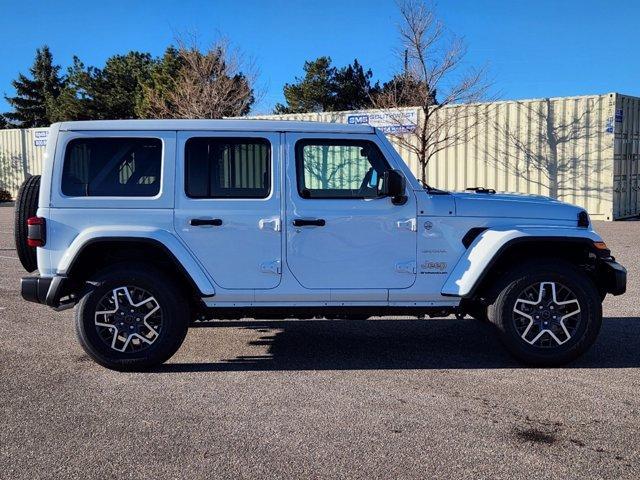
(117, 88)
(327, 89)
(34, 96)
(312, 93)
(74, 102)
(161, 84)
(353, 89)
(113, 92)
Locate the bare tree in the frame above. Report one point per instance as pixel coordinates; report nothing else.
(215, 83)
(551, 151)
(332, 171)
(431, 81)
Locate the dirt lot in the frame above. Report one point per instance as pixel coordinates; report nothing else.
(330, 399)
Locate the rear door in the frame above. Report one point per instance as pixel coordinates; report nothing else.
(341, 233)
(228, 205)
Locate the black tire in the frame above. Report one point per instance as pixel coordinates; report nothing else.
(174, 312)
(583, 326)
(26, 207)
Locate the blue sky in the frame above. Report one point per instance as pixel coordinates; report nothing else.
(532, 49)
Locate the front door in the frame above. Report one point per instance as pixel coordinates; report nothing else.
(228, 205)
(341, 232)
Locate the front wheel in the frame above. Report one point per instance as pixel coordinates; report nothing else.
(548, 313)
(132, 318)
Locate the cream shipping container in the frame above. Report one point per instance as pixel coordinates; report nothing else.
(583, 150)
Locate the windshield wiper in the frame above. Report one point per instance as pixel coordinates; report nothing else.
(432, 190)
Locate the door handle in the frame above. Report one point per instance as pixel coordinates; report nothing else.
(316, 222)
(201, 222)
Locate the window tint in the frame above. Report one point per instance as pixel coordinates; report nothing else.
(227, 167)
(118, 167)
(339, 168)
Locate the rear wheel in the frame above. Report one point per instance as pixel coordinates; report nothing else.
(26, 207)
(133, 318)
(548, 313)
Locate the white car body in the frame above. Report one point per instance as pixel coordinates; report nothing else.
(371, 252)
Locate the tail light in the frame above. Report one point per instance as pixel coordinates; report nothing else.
(36, 232)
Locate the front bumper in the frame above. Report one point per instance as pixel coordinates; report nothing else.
(48, 291)
(614, 277)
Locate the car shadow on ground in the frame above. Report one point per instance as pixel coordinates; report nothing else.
(400, 344)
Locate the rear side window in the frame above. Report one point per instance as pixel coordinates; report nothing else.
(112, 167)
(227, 167)
(339, 168)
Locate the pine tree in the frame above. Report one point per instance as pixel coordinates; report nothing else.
(160, 86)
(328, 89)
(112, 92)
(353, 89)
(34, 96)
(312, 93)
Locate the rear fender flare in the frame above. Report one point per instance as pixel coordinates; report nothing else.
(162, 238)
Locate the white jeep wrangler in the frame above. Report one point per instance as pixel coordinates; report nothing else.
(150, 225)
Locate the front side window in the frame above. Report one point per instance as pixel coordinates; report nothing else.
(339, 168)
(112, 167)
(227, 167)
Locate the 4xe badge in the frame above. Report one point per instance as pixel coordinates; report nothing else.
(434, 268)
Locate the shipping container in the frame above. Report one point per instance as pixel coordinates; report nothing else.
(21, 155)
(582, 150)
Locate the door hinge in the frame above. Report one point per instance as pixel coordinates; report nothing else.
(271, 267)
(406, 267)
(269, 224)
(410, 224)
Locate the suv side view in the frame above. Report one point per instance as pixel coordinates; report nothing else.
(148, 225)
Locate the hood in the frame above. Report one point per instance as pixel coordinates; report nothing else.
(515, 205)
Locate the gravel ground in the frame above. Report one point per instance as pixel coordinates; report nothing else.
(319, 399)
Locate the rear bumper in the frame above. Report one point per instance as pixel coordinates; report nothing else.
(615, 277)
(45, 290)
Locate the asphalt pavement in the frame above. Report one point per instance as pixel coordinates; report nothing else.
(386, 398)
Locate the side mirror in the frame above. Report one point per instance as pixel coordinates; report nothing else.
(393, 185)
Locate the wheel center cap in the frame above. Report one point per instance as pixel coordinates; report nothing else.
(546, 314)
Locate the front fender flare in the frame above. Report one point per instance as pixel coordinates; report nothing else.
(163, 238)
(489, 245)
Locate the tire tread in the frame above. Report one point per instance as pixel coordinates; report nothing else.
(26, 207)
